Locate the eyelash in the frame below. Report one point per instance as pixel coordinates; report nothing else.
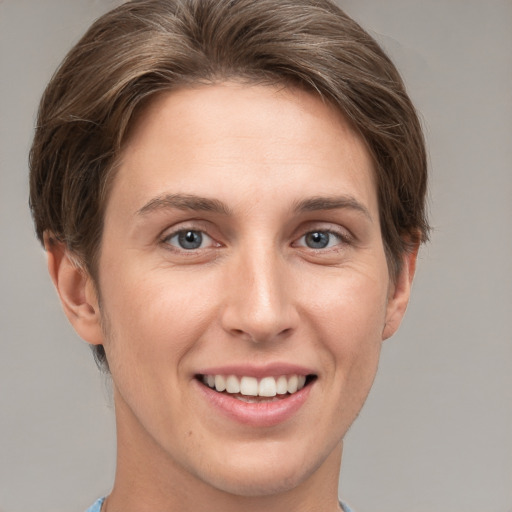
(166, 240)
(343, 239)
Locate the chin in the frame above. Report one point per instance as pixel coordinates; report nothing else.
(258, 478)
(257, 484)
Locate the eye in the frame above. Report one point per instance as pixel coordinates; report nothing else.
(189, 240)
(320, 240)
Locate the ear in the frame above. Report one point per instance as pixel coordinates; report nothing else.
(76, 291)
(399, 292)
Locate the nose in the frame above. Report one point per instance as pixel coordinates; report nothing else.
(259, 297)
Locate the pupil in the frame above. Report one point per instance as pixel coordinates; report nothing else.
(317, 240)
(190, 239)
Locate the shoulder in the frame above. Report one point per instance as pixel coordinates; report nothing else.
(96, 506)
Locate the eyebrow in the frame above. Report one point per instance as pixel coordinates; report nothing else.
(197, 203)
(184, 202)
(331, 203)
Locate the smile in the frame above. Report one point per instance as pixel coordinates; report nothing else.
(253, 387)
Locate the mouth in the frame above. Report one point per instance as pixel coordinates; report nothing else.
(253, 390)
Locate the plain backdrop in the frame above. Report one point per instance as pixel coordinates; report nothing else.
(436, 432)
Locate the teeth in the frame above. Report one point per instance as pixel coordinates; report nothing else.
(250, 386)
(293, 384)
(220, 383)
(267, 387)
(282, 385)
(232, 384)
(253, 400)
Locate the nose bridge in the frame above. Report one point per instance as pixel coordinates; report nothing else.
(259, 302)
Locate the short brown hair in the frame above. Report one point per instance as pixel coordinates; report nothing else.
(147, 46)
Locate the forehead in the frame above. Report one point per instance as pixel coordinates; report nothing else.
(261, 139)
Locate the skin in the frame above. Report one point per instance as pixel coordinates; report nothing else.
(253, 292)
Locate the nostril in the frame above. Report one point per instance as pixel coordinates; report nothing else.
(260, 336)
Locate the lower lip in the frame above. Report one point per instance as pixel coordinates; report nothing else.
(258, 414)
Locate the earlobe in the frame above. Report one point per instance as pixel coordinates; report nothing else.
(400, 293)
(76, 291)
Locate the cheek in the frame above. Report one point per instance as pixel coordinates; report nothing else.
(349, 317)
(150, 315)
(351, 305)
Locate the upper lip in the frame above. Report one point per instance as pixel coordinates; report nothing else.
(258, 371)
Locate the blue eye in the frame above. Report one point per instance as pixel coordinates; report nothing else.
(320, 239)
(189, 239)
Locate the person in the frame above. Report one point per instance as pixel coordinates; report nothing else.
(231, 194)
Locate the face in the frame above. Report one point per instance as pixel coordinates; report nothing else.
(242, 248)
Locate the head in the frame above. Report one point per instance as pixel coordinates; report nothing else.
(148, 59)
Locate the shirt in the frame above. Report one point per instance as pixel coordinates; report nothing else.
(96, 507)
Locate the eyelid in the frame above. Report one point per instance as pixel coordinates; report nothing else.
(205, 237)
(341, 240)
(345, 236)
(168, 234)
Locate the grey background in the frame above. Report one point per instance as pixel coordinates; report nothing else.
(436, 433)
